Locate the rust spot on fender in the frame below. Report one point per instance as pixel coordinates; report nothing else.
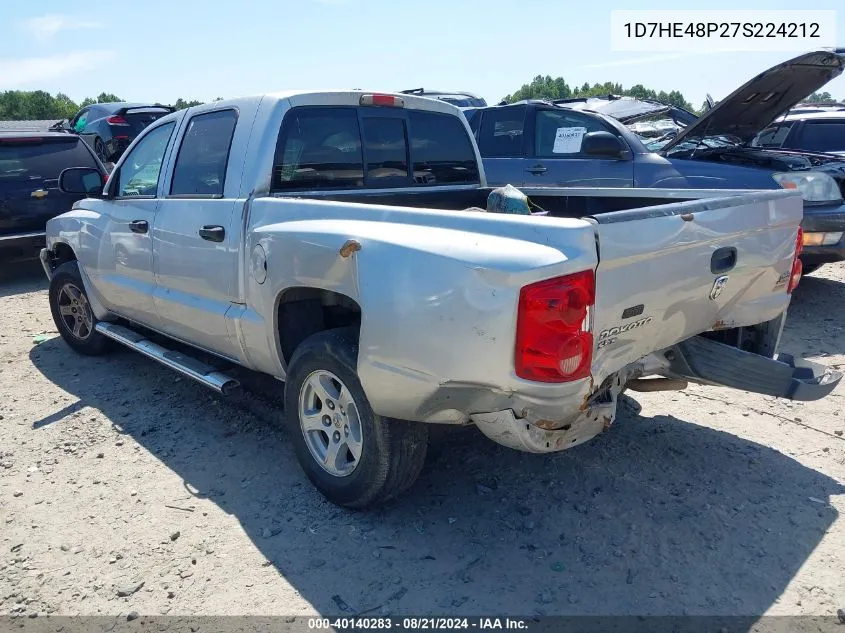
(546, 425)
(606, 422)
(721, 325)
(687, 217)
(584, 406)
(349, 247)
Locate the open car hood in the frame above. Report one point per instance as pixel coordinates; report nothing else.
(751, 107)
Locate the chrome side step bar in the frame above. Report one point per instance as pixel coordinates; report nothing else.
(182, 363)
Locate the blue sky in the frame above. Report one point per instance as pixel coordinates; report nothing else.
(160, 50)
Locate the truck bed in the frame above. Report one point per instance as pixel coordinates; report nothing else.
(557, 201)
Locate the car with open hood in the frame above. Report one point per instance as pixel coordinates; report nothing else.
(584, 143)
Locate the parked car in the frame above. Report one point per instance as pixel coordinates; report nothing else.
(825, 106)
(813, 131)
(538, 144)
(30, 165)
(461, 99)
(291, 234)
(109, 128)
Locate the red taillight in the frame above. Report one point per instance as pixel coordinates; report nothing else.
(797, 267)
(382, 100)
(553, 341)
(117, 120)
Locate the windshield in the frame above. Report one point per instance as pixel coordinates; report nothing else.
(702, 143)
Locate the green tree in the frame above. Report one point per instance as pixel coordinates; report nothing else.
(550, 89)
(14, 105)
(181, 104)
(819, 97)
(107, 97)
(65, 106)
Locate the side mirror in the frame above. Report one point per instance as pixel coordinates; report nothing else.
(81, 180)
(604, 145)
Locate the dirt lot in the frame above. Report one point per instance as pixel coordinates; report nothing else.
(124, 488)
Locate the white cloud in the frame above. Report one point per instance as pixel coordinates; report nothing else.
(27, 71)
(44, 28)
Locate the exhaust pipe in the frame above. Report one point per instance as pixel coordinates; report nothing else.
(656, 384)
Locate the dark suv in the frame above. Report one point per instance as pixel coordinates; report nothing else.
(30, 164)
(814, 130)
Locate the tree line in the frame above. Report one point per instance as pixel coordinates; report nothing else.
(549, 89)
(38, 105)
(20, 105)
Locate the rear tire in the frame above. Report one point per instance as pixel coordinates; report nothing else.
(72, 311)
(355, 458)
(100, 150)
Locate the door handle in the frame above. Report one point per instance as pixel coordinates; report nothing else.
(538, 169)
(212, 233)
(139, 226)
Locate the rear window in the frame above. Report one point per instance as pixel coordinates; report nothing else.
(342, 148)
(441, 150)
(386, 149)
(319, 148)
(43, 160)
(827, 136)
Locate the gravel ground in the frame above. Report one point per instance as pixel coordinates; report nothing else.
(125, 488)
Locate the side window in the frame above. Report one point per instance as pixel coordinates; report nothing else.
(772, 136)
(385, 149)
(141, 169)
(501, 132)
(821, 136)
(203, 155)
(80, 120)
(441, 150)
(319, 148)
(559, 133)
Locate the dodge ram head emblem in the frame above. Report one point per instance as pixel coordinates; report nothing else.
(718, 286)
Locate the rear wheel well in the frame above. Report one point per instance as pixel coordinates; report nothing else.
(303, 312)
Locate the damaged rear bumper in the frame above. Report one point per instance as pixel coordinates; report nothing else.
(709, 362)
(548, 436)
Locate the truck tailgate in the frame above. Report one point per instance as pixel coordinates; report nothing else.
(667, 273)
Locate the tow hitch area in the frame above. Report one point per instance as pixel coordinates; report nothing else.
(706, 361)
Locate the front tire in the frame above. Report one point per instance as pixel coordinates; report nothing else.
(355, 458)
(72, 311)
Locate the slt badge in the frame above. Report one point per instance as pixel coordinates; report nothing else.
(718, 287)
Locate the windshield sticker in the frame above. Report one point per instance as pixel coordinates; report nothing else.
(568, 140)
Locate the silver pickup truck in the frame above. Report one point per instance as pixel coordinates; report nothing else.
(332, 240)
